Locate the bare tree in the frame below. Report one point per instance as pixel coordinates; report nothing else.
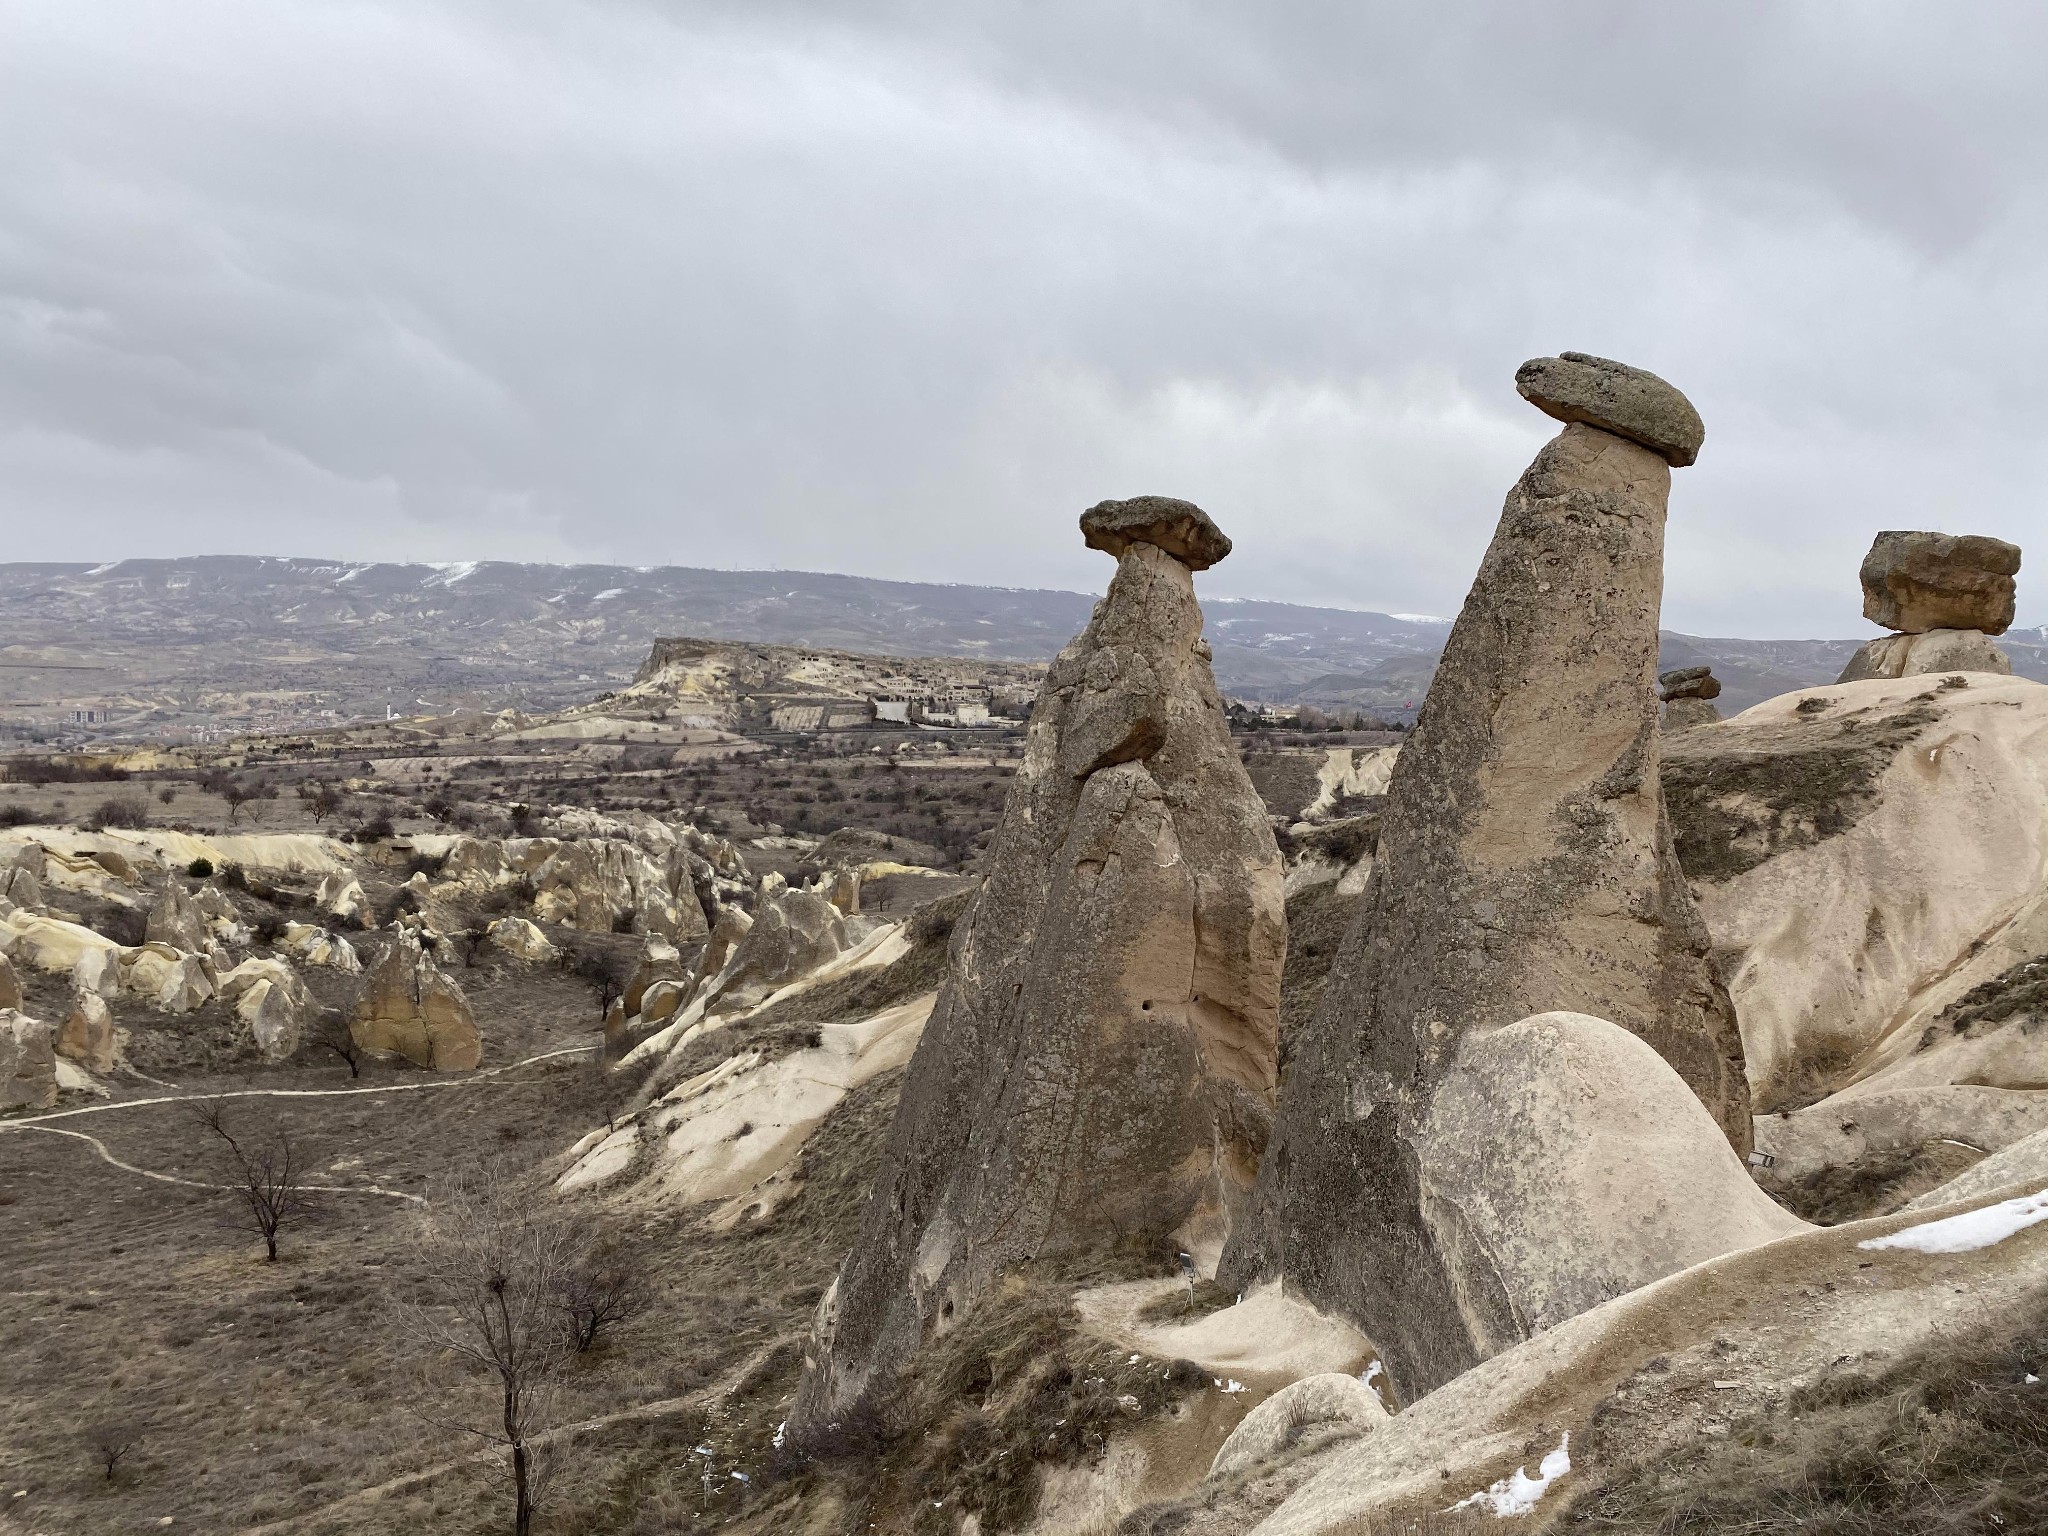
(112, 1440)
(603, 1288)
(605, 975)
(336, 1036)
(495, 1260)
(266, 1177)
(236, 796)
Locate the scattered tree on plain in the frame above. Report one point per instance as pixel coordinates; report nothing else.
(266, 1177)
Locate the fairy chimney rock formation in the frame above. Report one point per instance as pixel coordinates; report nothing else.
(1101, 1062)
(1943, 596)
(1525, 866)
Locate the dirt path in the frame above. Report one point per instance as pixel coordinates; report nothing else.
(463, 1081)
(41, 1122)
(732, 1381)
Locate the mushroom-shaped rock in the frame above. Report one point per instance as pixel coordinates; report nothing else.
(1319, 1408)
(1525, 865)
(1688, 683)
(1099, 1066)
(28, 1062)
(1914, 582)
(87, 1033)
(408, 1007)
(1179, 527)
(1628, 402)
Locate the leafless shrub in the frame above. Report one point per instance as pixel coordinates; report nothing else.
(494, 1262)
(335, 1035)
(111, 1440)
(265, 1177)
(604, 1288)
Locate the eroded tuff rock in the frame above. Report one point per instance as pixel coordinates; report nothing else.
(176, 920)
(1100, 1063)
(1688, 693)
(409, 1007)
(1929, 652)
(87, 1033)
(1914, 582)
(1628, 402)
(28, 1062)
(10, 985)
(1525, 866)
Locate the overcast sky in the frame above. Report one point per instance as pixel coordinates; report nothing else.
(899, 289)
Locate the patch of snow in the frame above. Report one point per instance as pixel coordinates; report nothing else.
(101, 570)
(1971, 1230)
(1517, 1495)
(1232, 1385)
(781, 1434)
(1371, 1372)
(608, 594)
(353, 572)
(447, 573)
(1418, 618)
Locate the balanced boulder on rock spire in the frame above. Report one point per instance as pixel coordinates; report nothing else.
(1101, 1063)
(1429, 1174)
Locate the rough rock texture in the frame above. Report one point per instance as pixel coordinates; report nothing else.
(1525, 865)
(409, 1007)
(1101, 1060)
(341, 897)
(20, 886)
(316, 946)
(1623, 400)
(1865, 855)
(521, 939)
(659, 961)
(1688, 683)
(269, 997)
(1915, 582)
(28, 1062)
(176, 920)
(10, 985)
(87, 1034)
(1936, 650)
(794, 933)
(1685, 714)
(1179, 527)
(1315, 1408)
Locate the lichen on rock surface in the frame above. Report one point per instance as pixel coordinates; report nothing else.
(1101, 1062)
(1525, 866)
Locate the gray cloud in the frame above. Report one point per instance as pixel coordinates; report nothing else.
(898, 289)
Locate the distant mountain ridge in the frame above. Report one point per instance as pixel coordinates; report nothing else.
(233, 638)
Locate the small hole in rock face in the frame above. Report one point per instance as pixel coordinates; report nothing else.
(1146, 1006)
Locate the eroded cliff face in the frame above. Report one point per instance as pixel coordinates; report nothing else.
(1102, 1060)
(1525, 866)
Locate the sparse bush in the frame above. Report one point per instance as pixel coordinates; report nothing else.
(377, 829)
(200, 868)
(131, 813)
(111, 1442)
(604, 1288)
(16, 816)
(167, 794)
(335, 1035)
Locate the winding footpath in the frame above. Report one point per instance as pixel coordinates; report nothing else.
(42, 1122)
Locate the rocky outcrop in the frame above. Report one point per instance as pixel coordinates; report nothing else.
(521, 939)
(1525, 866)
(176, 920)
(408, 1007)
(1100, 1063)
(87, 1034)
(10, 985)
(341, 898)
(172, 980)
(28, 1062)
(1865, 856)
(792, 934)
(269, 997)
(659, 961)
(1946, 595)
(314, 945)
(1916, 582)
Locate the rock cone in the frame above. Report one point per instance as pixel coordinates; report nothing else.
(1101, 1060)
(409, 1007)
(1525, 866)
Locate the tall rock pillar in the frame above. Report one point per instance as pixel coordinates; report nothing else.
(1525, 866)
(1102, 1060)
